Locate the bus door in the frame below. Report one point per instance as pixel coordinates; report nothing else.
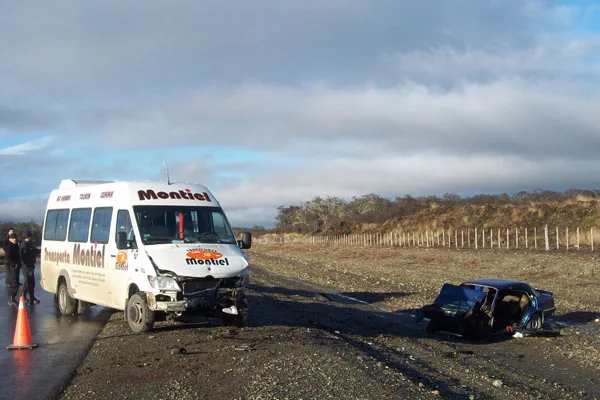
(124, 257)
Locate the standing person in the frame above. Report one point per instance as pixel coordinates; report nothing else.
(5, 248)
(13, 262)
(11, 231)
(28, 256)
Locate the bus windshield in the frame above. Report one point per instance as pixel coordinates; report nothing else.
(179, 224)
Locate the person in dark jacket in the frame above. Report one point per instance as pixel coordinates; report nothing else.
(5, 244)
(11, 231)
(28, 256)
(5, 248)
(13, 262)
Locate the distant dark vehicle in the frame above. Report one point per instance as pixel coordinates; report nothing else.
(479, 308)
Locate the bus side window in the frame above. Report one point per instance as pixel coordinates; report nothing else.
(101, 225)
(124, 225)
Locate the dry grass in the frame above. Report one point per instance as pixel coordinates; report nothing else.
(405, 279)
(423, 271)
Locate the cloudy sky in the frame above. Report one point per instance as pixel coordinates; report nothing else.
(272, 102)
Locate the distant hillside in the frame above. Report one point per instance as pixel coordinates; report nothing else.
(372, 213)
(583, 214)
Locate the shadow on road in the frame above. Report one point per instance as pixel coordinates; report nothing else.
(328, 311)
(576, 317)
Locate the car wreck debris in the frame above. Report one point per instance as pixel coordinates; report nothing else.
(479, 308)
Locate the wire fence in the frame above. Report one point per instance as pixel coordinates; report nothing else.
(546, 238)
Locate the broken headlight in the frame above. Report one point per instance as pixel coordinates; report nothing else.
(164, 283)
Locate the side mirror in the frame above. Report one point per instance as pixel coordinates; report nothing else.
(121, 240)
(246, 241)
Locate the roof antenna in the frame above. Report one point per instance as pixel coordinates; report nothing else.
(167, 172)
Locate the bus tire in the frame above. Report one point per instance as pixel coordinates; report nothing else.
(66, 304)
(139, 317)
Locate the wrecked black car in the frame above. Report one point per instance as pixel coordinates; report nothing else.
(479, 308)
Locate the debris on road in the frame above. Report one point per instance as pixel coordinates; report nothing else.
(178, 351)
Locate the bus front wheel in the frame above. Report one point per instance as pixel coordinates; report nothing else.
(66, 304)
(139, 317)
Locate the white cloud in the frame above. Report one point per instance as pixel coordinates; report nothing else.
(23, 209)
(315, 98)
(24, 148)
(513, 116)
(418, 175)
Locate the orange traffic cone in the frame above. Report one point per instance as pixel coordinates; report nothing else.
(22, 338)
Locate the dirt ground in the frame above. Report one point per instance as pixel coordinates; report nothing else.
(336, 322)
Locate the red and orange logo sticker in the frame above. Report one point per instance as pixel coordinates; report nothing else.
(121, 258)
(204, 254)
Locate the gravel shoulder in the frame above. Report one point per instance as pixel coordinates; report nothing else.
(306, 341)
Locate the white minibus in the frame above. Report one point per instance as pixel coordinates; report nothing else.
(155, 250)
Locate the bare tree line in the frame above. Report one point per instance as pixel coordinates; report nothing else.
(333, 214)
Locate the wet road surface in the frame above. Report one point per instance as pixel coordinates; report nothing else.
(43, 372)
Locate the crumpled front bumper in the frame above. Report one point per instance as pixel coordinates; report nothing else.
(171, 302)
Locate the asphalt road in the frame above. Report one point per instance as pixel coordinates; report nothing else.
(43, 372)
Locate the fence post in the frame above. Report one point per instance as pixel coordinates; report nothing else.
(456, 238)
(462, 238)
(498, 238)
(592, 237)
(557, 246)
(507, 239)
(567, 235)
(516, 238)
(491, 238)
(476, 239)
(483, 238)
(469, 237)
